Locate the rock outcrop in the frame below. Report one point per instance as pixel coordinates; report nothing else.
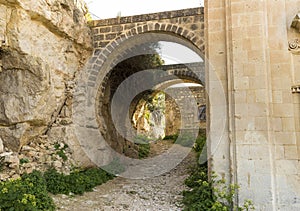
(43, 45)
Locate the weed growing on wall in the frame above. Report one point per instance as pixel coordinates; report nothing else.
(209, 193)
(60, 150)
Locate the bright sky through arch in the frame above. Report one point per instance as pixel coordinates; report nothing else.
(111, 8)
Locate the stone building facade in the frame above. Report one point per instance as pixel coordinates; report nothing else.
(253, 49)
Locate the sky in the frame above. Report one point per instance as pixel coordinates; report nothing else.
(112, 8)
(174, 53)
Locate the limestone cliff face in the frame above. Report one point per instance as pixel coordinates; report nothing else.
(43, 45)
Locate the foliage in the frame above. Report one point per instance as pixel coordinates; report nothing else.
(185, 139)
(77, 182)
(24, 160)
(188, 140)
(27, 193)
(30, 192)
(155, 102)
(2, 163)
(171, 137)
(143, 145)
(209, 193)
(87, 14)
(60, 151)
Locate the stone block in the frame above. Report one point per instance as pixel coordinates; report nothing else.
(279, 56)
(283, 110)
(257, 109)
(290, 152)
(288, 124)
(261, 124)
(285, 138)
(279, 152)
(277, 124)
(286, 167)
(277, 97)
(241, 83)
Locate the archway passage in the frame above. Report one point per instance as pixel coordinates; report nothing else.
(104, 77)
(150, 92)
(141, 73)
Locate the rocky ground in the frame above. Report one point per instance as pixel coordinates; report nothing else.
(158, 193)
(40, 154)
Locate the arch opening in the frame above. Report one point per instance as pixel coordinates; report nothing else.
(178, 81)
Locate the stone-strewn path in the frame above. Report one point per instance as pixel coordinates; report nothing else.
(159, 193)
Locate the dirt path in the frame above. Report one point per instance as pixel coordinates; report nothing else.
(159, 193)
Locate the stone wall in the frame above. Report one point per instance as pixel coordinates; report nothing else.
(44, 44)
(173, 114)
(188, 23)
(247, 45)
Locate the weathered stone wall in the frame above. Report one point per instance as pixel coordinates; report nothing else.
(173, 114)
(187, 23)
(247, 47)
(43, 46)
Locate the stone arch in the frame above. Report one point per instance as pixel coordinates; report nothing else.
(99, 57)
(91, 85)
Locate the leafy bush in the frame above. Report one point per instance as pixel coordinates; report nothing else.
(209, 194)
(185, 140)
(144, 150)
(60, 151)
(2, 163)
(55, 182)
(143, 145)
(30, 192)
(171, 137)
(27, 193)
(77, 182)
(24, 160)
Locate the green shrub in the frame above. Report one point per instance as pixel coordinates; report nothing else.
(144, 150)
(30, 192)
(143, 145)
(62, 154)
(2, 163)
(56, 182)
(27, 193)
(185, 140)
(24, 160)
(171, 137)
(77, 182)
(209, 194)
(60, 151)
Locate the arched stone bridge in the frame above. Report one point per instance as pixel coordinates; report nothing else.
(188, 23)
(115, 40)
(194, 72)
(109, 34)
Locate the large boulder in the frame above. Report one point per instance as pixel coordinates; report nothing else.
(44, 43)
